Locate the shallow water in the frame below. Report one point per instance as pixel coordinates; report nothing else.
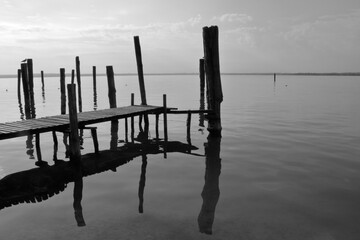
(290, 164)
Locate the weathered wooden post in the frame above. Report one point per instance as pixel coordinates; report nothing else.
(72, 76)
(25, 83)
(31, 86)
(213, 78)
(94, 88)
(112, 102)
(165, 125)
(75, 154)
(132, 118)
(140, 70)
(202, 91)
(56, 144)
(62, 91)
(188, 129)
(78, 79)
(19, 85)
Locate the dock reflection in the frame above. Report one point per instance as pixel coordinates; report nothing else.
(40, 183)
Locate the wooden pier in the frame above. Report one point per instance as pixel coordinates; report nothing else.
(61, 122)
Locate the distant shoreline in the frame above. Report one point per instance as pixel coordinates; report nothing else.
(179, 74)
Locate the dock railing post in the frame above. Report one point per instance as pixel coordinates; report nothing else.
(213, 78)
(75, 155)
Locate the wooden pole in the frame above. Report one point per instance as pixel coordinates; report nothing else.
(25, 83)
(132, 118)
(111, 87)
(42, 80)
(78, 79)
(94, 77)
(37, 147)
(165, 124)
(62, 91)
(188, 129)
(140, 70)
(94, 88)
(56, 144)
(19, 85)
(157, 126)
(202, 91)
(72, 76)
(75, 155)
(213, 78)
(112, 102)
(31, 79)
(95, 139)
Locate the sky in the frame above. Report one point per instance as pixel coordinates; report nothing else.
(254, 35)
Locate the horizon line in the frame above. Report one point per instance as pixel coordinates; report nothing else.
(189, 73)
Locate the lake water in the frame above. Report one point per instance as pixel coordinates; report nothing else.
(290, 164)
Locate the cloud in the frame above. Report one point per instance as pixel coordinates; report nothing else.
(337, 33)
(233, 17)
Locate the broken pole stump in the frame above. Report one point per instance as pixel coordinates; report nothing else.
(75, 155)
(62, 91)
(213, 78)
(78, 79)
(140, 70)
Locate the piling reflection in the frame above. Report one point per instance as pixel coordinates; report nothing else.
(211, 192)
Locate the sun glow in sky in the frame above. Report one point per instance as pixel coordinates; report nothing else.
(255, 36)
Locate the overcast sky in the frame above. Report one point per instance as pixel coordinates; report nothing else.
(255, 35)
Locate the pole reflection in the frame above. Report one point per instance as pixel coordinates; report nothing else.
(211, 191)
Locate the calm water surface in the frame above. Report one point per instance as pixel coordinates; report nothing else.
(290, 164)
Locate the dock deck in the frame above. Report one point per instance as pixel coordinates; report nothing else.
(61, 122)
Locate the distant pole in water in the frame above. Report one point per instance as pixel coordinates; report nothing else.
(78, 79)
(42, 80)
(94, 87)
(213, 78)
(94, 77)
(274, 77)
